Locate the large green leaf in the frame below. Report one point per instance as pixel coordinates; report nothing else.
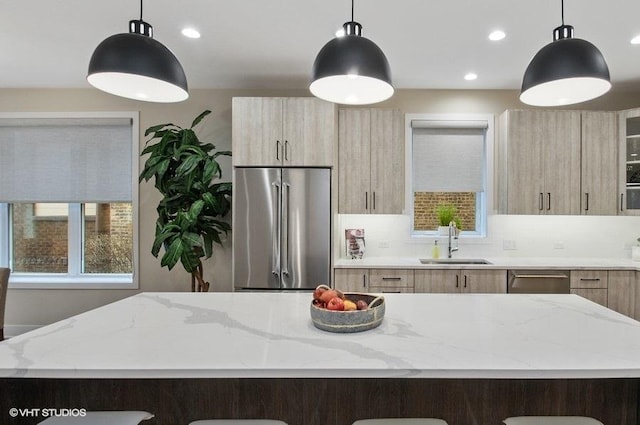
(173, 254)
(199, 118)
(191, 239)
(189, 260)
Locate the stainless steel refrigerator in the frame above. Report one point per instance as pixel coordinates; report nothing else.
(281, 228)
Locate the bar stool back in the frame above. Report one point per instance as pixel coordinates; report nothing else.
(100, 418)
(238, 422)
(551, 420)
(401, 421)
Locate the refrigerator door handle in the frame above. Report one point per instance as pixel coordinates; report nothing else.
(285, 227)
(275, 230)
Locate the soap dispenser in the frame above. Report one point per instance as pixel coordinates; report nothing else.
(436, 250)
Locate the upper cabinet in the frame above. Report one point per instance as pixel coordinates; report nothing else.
(558, 162)
(599, 163)
(283, 131)
(370, 161)
(541, 169)
(628, 202)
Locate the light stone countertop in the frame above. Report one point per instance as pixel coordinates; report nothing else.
(270, 335)
(495, 263)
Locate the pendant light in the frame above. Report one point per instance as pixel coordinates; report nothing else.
(351, 69)
(566, 71)
(135, 66)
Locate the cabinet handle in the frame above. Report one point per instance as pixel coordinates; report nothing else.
(465, 280)
(621, 202)
(549, 199)
(541, 202)
(391, 292)
(391, 278)
(374, 201)
(278, 150)
(590, 279)
(286, 150)
(457, 281)
(364, 280)
(366, 201)
(586, 208)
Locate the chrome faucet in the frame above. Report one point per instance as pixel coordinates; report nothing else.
(453, 231)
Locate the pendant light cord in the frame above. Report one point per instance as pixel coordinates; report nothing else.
(561, 6)
(352, 1)
(141, 10)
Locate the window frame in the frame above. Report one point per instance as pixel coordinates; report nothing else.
(75, 279)
(483, 203)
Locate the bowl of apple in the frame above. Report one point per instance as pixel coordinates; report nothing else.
(346, 312)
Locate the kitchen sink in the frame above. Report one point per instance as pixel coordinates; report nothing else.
(454, 261)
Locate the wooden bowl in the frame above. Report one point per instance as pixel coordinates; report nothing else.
(350, 321)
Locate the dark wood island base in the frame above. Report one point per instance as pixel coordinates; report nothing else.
(302, 401)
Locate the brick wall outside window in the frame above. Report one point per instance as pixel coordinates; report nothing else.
(425, 203)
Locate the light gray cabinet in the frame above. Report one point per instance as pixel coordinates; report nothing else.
(540, 162)
(374, 280)
(623, 294)
(590, 284)
(370, 161)
(461, 281)
(599, 163)
(283, 131)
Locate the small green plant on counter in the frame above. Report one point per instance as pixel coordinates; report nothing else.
(447, 213)
(191, 214)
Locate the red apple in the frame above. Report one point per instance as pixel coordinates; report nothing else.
(328, 295)
(362, 305)
(335, 303)
(317, 293)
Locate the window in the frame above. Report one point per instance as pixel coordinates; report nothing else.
(448, 159)
(68, 185)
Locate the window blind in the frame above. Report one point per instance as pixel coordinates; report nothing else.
(448, 159)
(65, 160)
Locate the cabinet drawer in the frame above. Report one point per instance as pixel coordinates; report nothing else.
(597, 295)
(393, 278)
(391, 289)
(589, 279)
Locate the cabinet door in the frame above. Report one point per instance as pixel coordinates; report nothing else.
(387, 161)
(599, 194)
(354, 180)
(257, 131)
(561, 137)
(597, 295)
(391, 280)
(628, 202)
(589, 279)
(623, 294)
(522, 143)
(351, 280)
(309, 132)
(484, 281)
(437, 281)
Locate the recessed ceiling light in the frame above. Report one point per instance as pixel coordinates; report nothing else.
(470, 76)
(497, 35)
(635, 40)
(190, 32)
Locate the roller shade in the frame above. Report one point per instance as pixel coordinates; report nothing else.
(448, 159)
(65, 160)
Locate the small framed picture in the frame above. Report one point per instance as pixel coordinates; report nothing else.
(354, 243)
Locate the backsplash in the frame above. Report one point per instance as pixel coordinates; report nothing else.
(508, 236)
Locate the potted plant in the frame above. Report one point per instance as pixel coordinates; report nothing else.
(193, 205)
(447, 213)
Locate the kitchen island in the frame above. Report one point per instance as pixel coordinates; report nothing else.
(466, 358)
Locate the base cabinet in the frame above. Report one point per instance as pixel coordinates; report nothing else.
(591, 284)
(461, 281)
(374, 280)
(623, 293)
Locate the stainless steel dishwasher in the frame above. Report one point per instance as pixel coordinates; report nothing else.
(539, 282)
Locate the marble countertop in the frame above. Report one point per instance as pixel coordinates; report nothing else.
(270, 335)
(495, 263)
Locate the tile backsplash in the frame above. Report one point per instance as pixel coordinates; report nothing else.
(508, 236)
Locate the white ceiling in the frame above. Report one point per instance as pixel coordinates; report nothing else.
(272, 43)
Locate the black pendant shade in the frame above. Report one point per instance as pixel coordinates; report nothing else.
(351, 70)
(136, 66)
(566, 71)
